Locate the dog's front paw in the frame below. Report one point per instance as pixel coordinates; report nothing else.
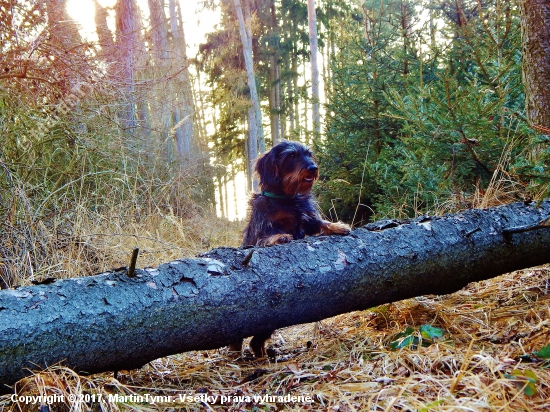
(337, 228)
(278, 239)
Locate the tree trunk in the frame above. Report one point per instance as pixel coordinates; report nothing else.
(127, 41)
(235, 197)
(249, 64)
(304, 125)
(201, 112)
(226, 194)
(535, 31)
(295, 102)
(160, 96)
(159, 32)
(296, 129)
(274, 77)
(315, 104)
(63, 29)
(105, 37)
(406, 32)
(290, 98)
(369, 33)
(184, 111)
(251, 148)
(111, 321)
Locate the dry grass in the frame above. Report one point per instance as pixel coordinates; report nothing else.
(79, 239)
(97, 243)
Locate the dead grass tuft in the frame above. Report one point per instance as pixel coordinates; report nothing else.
(79, 239)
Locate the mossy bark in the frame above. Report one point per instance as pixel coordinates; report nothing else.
(112, 322)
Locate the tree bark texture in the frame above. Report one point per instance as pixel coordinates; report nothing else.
(251, 149)
(111, 322)
(127, 41)
(246, 40)
(159, 32)
(535, 32)
(275, 77)
(105, 37)
(185, 109)
(316, 97)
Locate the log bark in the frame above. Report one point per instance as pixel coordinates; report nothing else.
(111, 322)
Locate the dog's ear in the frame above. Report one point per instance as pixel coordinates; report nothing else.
(267, 171)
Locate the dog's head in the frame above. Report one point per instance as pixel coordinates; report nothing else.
(287, 169)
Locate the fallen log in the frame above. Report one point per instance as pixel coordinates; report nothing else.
(111, 321)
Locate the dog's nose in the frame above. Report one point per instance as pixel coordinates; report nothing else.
(312, 168)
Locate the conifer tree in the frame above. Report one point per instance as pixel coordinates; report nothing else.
(424, 129)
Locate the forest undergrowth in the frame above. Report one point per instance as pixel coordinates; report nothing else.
(93, 226)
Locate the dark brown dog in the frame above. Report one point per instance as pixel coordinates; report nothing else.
(285, 209)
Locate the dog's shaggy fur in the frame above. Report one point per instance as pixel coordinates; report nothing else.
(285, 209)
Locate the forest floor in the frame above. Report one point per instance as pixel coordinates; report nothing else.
(477, 354)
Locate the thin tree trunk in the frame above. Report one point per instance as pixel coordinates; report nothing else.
(249, 64)
(295, 97)
(200, 113)
(305, 124)
(111, 321)
(161, 95)
(225, 194)
(105, 37)
(331, 52)
(369, 38)
(235, 197)
(433, 33)
(219, 178)
(273, 106)
(127, 28)
(315, 94)
(252, 148)
(159, 32)
(248, 165)
(296, 92)
(184, 113)
(143, 115)
(406, 33)
(324, 70)
(274, 77)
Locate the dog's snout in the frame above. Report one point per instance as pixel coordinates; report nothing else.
(312, 168)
